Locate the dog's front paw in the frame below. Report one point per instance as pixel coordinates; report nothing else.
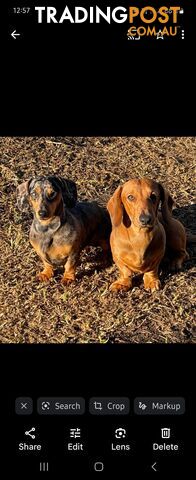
(43, 276)
(152, 285)
(120, 286)
(66, 280)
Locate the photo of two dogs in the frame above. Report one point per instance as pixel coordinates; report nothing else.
(97, 239)
(140, 236)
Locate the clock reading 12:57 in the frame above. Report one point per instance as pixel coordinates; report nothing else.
(23, 10)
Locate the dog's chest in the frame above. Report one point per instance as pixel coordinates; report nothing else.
(135, 253)
(50, 247)
(137, 260)
(57, 254)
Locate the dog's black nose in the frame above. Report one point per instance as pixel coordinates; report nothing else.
(43, 213)
(145, 219)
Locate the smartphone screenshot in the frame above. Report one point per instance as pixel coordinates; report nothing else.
(97, 233)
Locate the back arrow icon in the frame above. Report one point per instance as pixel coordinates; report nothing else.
(153, 466)
(14, 34)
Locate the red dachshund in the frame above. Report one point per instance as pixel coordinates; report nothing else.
(141, 236)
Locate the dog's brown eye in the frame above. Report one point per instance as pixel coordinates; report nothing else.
(130, 198)
(153, 197)
(51, 195)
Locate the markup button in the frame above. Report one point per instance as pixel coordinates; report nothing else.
(159, 405)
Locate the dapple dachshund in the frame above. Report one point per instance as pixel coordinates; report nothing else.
(62, 226)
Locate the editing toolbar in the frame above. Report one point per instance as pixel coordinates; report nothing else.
(101, 406)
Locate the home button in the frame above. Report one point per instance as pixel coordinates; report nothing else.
(98, 466)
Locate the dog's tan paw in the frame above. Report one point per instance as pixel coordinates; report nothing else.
(43, 277)
(152, 285)
(118, 286)
(67, 280)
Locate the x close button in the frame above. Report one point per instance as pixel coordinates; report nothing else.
(24, 406)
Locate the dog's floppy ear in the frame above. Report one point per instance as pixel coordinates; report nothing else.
(22, 192)
(68, 189)
(69, 193)
(115, 207)
(167, 203)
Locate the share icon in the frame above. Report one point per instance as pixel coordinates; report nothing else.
(30, 434)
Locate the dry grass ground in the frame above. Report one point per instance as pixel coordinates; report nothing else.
(86, 311)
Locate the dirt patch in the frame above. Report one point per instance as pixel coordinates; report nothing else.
(86, 311)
